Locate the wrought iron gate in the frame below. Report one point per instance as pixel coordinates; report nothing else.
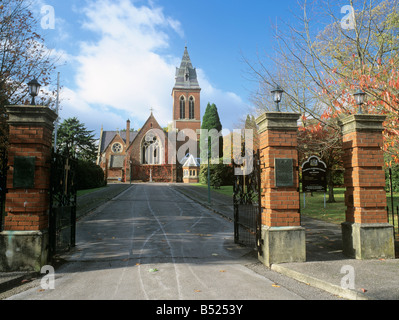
(62, 220)
(3, 184)
(247, 208)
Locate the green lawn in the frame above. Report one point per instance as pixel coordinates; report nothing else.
(334, 212)
(313, 206)
(83, 192)
(226, 190)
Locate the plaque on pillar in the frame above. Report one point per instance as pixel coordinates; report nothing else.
(284, 172)
(24, 172)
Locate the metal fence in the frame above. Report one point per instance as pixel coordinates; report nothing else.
(3, 184)
(392, 219)
(62, 218)
(247, 209)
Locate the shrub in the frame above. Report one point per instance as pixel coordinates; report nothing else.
(395, 178)
(89, 175)
(220, 174)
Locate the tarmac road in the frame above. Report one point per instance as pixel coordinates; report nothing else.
(153, 243)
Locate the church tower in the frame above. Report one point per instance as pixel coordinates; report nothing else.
(186, 97)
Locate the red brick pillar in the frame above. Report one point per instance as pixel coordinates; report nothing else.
(25, 238)
(366, 233)
(282, 234)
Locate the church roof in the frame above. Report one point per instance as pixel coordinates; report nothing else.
(190, 161)
(108, 136)
(186, 75)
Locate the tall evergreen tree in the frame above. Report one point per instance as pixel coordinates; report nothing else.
(211, 121)
(76, 141)
(211, 118)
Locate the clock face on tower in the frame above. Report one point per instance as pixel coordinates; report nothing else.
(117, 148)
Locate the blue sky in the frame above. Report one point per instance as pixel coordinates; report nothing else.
(120, 55)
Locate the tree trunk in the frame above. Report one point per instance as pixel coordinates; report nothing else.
(330, 183)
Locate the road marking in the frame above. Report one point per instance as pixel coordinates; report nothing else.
(169, 244)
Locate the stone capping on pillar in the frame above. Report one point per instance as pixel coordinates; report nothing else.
(278, 121)
(31, 115)
(362, 122)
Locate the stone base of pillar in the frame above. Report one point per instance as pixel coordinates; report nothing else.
(368, 240)
(23, 250)
(283, 245)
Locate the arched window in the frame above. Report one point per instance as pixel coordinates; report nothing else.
(182, 108)
(151, 150)
(191, 108)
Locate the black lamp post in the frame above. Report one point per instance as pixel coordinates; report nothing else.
(277, 96)
(360, 97)
(34, 87)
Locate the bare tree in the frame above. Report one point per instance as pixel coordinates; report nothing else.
(23, 56)
(322, 58)
(316, 57)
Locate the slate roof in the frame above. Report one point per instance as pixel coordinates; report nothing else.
(109, 135)
(186, 75)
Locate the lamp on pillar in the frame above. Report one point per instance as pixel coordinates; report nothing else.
(34, 87)
(360, 97)
(277, 96)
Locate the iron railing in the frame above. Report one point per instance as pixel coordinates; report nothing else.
(63, 199)
(3, 184)
(247, 209)
(391, 218)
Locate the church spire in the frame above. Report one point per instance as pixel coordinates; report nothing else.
(186, 61)
(186, 75)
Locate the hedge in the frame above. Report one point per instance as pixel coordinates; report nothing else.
(395, 178)
(220, 174)
(89, 175)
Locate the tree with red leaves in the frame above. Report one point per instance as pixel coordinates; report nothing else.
(320, 61)
(323, 140)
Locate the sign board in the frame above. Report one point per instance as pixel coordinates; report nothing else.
(314, 175)
(284, 172)
(24, 172)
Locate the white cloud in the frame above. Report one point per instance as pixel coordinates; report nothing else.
(121, 71)
(72, 105)
(121, 74)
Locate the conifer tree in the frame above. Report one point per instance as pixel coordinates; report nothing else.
(76, 141)
(211, 121)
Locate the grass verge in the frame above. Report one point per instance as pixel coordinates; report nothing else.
(313, 206)
(226, 190)
(87, 191)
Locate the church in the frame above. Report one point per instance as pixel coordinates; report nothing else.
(143, 155)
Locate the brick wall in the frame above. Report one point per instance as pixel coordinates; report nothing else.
(187, 94)
(365, 195)
(28, 209)
(280, 206)
(159, 173)
(134, 151)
